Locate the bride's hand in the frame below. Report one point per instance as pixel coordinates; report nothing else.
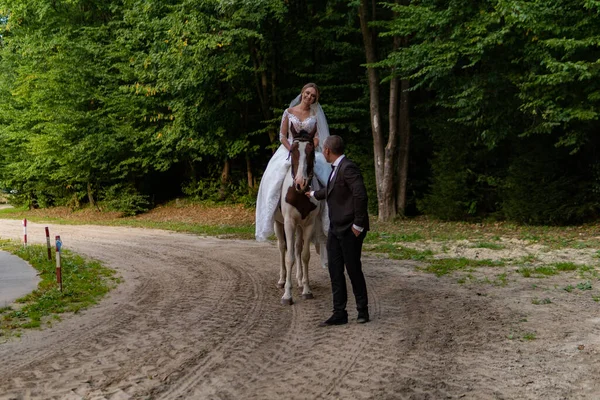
(316, 141)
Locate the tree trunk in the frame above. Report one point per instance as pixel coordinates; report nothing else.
(249, 173)
(389, 190)
(378, 150)
(388, 211)
(404, 146)
(90, 194)
(224, 180)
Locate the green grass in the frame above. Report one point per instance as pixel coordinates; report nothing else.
(552, 269)
(545, 270)
(489, 245)
(537, 301)
(84, 283)
(502, 279)
(444, 266)
(525, 271)
(581, 245)
(569, 288)
(529, 237)
(565, 266)
(529, 336)
(375, 237)
(238, 232)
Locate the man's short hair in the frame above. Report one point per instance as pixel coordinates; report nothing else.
(335, 144)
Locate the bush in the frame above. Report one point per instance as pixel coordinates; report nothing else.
(547, 185)
(124, 199)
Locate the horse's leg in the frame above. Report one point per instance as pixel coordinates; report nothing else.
(279, 232)
(323, 254)
(289, 260)
(306, 292)
(298, 249)
(320, 238)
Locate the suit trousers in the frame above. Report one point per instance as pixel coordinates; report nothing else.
(345, 249)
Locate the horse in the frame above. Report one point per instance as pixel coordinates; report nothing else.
(297, 217)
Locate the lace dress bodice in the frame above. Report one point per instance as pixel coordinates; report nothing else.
(308, 124)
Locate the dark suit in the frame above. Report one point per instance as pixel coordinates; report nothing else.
(346, 197)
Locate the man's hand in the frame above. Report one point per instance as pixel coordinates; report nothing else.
(356, 231)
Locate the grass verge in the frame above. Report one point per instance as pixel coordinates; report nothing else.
(84, 283)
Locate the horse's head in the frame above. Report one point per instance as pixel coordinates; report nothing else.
(303, 158)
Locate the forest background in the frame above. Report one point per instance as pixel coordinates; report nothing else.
(460, 109)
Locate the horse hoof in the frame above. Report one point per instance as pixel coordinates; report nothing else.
(308, 296)
(280, 285)
(287, 302)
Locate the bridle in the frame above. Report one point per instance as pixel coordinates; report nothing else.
(302, 139)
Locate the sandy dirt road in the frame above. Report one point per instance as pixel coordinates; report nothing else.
(200, 318)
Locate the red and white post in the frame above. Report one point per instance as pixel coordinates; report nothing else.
(58, 267)
(48, 244)
(25, 232)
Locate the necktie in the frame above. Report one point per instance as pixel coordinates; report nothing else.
(332, 172)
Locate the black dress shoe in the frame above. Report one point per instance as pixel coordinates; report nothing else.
(335, 320)
(362, 318)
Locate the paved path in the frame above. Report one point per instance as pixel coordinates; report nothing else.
(17, 278)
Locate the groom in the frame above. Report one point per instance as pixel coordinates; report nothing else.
(346, 197)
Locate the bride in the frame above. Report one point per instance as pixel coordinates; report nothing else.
(304, 113)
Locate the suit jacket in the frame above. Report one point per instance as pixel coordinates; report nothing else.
(346, 197)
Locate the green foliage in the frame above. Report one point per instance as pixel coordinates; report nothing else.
(587, 285)
(124, 199)
(563, 195)
(151, 99)
(500, 72)
(97, 97)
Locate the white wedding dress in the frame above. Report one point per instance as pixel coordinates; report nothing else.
(269, 192)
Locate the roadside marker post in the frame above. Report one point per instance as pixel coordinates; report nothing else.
(58, 267)
(48, 244)
(25, 232)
